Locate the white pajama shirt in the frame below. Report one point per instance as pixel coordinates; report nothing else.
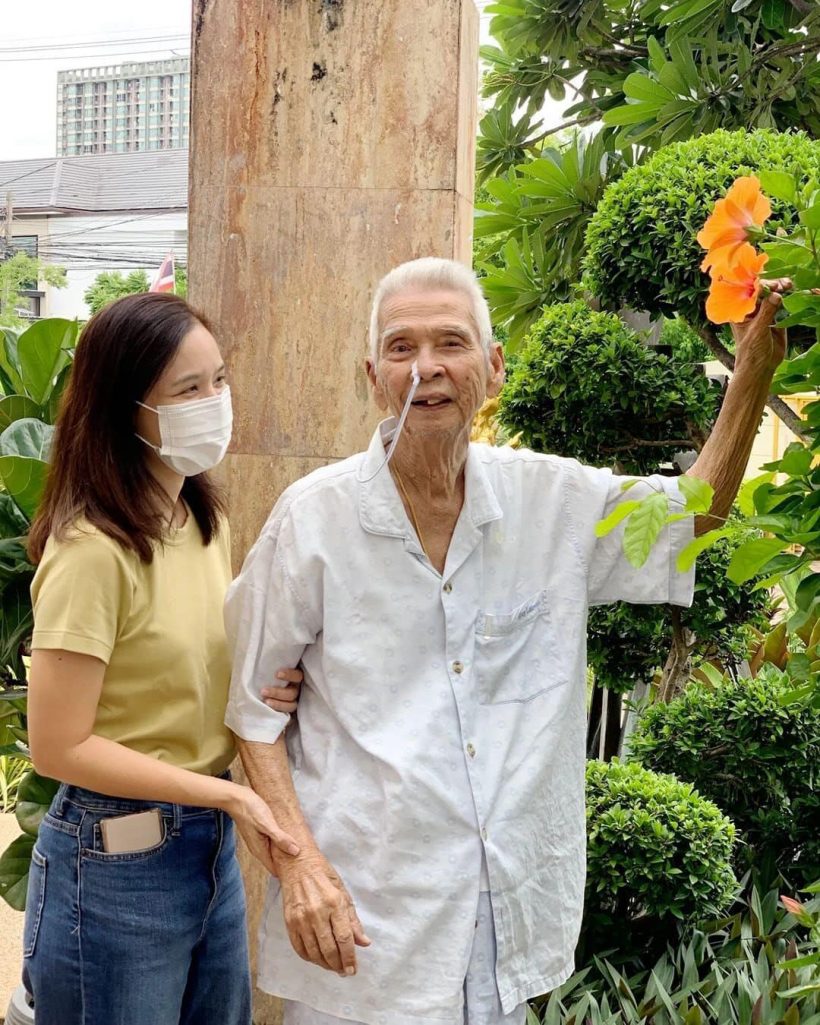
(442, 718)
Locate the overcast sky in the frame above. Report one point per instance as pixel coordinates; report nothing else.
(29, 87)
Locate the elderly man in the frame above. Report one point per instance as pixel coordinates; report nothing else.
(435, 777)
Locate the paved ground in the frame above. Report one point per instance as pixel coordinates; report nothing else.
(11, 927)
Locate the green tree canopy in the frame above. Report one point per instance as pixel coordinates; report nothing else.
(637, 76)
(111, 285)
(18, 274)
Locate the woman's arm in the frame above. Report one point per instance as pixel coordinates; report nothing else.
(64, 691)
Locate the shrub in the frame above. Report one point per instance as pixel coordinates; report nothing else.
(687, 346)
(734, 973)
(641, 245)
(626, 644)
(657, 854)
(585, 385)
(753, 747)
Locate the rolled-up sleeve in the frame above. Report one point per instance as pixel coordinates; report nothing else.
(269, 622)
(611, 577)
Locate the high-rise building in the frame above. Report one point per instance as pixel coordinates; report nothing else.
(121, 108)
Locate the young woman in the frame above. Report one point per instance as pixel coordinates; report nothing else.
(135, 911)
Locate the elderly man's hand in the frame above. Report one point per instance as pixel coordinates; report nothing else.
(758, 344)
(319, 915)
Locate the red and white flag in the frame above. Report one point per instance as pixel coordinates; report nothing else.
(164, 281)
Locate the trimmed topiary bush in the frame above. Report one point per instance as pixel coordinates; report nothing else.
(641, 249)
(687, 346)
(657, 854)
(753, 748)
(627, 644)
(585, 385)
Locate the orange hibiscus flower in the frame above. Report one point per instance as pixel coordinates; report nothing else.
(735, 289)
(726, 229)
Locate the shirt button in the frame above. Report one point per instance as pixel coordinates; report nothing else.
(458, 667)
(471, 750)
(483, 834)
(448, 587)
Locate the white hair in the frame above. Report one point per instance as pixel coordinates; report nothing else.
(432, 272)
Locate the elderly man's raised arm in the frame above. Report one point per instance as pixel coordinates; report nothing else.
(759, 348)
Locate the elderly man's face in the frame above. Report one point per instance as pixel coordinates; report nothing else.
(436, 329)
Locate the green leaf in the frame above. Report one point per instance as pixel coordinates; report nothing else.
(807, 591)
(687, 557)
(752, 556)
(745, 497)
(811, 217)
(24, 479)
(33, 801)
(16, 622)
(644, 527)
(697, 492)
(42, 351)
(796, 460)
(778, 185)
(619, 513)
(681, 12)
(14, 869)
(27, 437)
(16, 407)
(8, 358)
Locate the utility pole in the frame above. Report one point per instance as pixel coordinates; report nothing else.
(8, 219)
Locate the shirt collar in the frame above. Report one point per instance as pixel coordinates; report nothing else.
(381, 510)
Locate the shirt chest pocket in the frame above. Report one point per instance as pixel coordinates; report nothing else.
(515, 653)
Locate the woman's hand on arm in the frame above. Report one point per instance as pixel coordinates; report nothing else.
(63, 694)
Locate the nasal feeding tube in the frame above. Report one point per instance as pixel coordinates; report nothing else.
(414, 370)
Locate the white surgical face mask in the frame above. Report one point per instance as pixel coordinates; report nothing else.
(194, 436)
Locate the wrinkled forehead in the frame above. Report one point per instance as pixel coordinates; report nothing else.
(427, 311)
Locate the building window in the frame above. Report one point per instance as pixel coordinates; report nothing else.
(28, 306)
(25, 244)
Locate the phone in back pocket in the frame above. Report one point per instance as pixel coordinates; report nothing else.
(129, 834)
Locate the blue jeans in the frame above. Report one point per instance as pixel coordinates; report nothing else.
(151, 938)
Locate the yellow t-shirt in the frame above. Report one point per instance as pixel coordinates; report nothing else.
(158, 628)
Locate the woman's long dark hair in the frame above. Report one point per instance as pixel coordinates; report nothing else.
(99, 471)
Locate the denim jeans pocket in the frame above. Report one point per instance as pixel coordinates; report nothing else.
(35, 898)
(94, 851)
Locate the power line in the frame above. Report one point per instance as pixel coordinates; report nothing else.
(31, 40)
(94, 56)
(94, 43)
(34, 170)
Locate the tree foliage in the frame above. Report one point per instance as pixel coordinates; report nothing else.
(18, 274)
(641, 245)
(112, 285)
(657, 853)
(585, 385)
(753, 747)
(628, 644)
(637, 76)
(653, 72)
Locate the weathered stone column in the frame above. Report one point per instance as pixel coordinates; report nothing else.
(331, 139)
